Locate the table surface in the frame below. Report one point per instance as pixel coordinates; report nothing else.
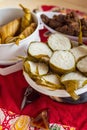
(73, 4)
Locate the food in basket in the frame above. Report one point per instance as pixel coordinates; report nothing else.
(62, 72)
(18, 29)
(66, 23)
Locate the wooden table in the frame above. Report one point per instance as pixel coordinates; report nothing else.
(73, 4)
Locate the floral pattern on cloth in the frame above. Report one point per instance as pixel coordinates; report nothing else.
(12, 121)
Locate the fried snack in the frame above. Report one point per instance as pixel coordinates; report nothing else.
(40, 121)
(9, 29)
(26, 19)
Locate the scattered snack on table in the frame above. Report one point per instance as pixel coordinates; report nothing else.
(40, 121)
(64, 70)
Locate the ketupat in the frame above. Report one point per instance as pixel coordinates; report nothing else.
(26, 32)
(9, 29)
(26, 19)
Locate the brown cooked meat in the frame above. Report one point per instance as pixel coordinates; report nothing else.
(67, 24)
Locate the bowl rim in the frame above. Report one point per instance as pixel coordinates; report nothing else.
(56, 93)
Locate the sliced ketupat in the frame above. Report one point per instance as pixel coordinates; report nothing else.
(35, 69)
(82, 65)
(72, 82)
(39, 50)
(31, 58)
(58, 41)
(30, 67)
(62, 62)
(51, 81)
(42, 68)
(70, 87)
(75, 76)
(79, 52)
(74, 44)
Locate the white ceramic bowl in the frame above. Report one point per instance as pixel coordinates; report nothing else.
(9, 52)
(58, 95)
(50, 15)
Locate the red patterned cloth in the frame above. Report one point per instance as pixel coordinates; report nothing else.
(12, 88)
(13, 121)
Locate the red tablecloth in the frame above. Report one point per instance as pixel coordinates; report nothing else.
(12, 88)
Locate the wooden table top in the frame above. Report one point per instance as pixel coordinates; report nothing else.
(73, 4)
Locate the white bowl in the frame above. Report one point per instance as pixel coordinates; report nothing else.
(50, 15)
(58, 95)
(9, 52)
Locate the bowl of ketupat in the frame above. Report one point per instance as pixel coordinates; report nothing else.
(57, 68)
(18, 27)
